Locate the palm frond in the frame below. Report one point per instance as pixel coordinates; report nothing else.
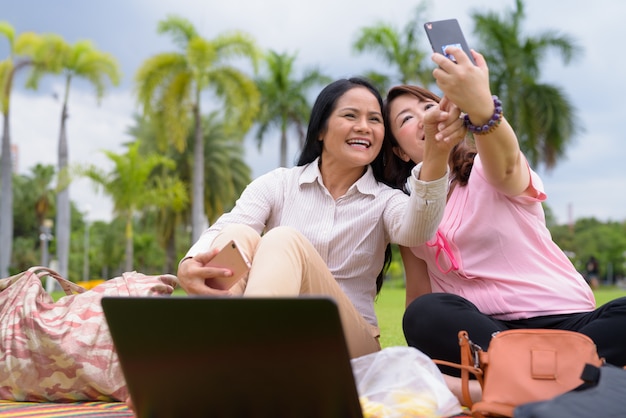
(181, 30)
(237, 44)
(540, 113)
(240, 94)
(176, 104)
(86, 61)
(154, 75)
(8, 31)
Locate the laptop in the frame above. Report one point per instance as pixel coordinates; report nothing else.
(233, 357)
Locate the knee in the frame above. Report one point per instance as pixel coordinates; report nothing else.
(432, 304)
(283, 235)
(615, 307)
(247, 238)
(288, 241)
(418, 316)
(239, 231)
(431, 312)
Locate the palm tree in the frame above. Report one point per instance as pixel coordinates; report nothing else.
(82, 60)
(168, 219)
(225, 175)
(399, 49)
(284, 99)
(40, 53)
(541, 114)
(133, 188)
(170, 85)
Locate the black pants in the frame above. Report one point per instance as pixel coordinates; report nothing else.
(431, 324)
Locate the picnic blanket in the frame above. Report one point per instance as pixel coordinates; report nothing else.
(57, 410)
(9, 409)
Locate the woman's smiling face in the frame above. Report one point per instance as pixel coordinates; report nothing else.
(354, 131)
(406, 119)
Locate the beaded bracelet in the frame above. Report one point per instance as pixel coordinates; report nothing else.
(490, 126)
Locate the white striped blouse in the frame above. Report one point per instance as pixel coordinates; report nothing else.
(350, 233)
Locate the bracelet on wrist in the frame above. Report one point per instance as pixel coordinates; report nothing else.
(491, 125)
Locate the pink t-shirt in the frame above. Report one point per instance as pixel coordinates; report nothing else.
(508, 265)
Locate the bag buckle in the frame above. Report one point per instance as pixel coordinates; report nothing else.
(475, 349)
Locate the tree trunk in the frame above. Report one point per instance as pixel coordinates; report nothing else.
(198, 217)
(6, 199)
(63, 193)
(283, 146)
(6, 172)
(129, 253)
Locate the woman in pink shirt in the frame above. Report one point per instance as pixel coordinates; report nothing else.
(492, 265)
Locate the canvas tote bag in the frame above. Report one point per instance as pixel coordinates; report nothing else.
(62, 351)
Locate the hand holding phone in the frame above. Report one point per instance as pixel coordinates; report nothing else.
(445, 33)
(232, 258)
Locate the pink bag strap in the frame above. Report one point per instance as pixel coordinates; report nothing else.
(68, 287)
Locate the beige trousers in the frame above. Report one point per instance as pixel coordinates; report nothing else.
(285, 263)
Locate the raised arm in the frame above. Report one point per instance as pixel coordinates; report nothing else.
(467, 86)
(428, 182)
(443, 129)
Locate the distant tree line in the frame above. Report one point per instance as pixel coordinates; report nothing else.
(185, 167)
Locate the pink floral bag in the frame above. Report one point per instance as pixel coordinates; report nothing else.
(62, 351)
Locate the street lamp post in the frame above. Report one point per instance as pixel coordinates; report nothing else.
(45, 237)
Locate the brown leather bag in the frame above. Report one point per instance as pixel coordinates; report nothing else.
(523, 365)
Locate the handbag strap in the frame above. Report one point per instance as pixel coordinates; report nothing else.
(68, 287)
(470, 363)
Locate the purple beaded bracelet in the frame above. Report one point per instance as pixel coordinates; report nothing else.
(490, 126)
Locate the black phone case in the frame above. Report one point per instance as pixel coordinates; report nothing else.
(444, 33)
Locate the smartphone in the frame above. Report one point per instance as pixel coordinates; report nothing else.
(230, 257)
(445, 33)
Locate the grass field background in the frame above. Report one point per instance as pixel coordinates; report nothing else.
(390, 307)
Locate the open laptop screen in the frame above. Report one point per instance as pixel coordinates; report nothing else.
(233, 357)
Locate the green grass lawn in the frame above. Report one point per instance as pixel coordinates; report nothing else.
(390, 307)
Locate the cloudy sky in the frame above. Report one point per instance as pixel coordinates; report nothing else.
(590, 182)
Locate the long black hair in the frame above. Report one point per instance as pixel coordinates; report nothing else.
(322, 109)
(318, 123)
